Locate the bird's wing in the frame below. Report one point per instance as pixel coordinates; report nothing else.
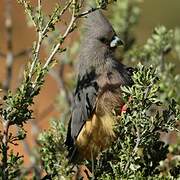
(83, 108)
(84, 105)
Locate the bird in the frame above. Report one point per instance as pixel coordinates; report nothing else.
(97, 93)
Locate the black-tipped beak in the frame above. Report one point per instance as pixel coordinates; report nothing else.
(116, 41)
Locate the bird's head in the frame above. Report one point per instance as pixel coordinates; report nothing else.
(100, 32)
(99, 41)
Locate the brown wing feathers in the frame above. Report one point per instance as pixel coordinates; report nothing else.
(83, 107)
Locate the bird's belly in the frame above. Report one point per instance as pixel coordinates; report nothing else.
(96, 135)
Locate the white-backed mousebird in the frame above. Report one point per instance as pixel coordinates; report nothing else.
(99, 78)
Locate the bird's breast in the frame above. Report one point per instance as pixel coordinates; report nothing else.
(96, 135)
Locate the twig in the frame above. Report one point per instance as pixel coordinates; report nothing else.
(9, 55)
(68, 30)
(92, 159)
(42, 33)
(4, 150)
(2, 54)
(137, 141)
(161, 59)
(88, 12)
(38, 45)
(36, 54)
(51, 19)
(147, 91)
(74, 18)
(65, 8)
(24, 52)
(33, 165)
(135, 148)
(81, 4)
(28, 170)
(60, 80)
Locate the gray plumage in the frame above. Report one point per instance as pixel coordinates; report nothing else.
(92, 50)
(99, 77)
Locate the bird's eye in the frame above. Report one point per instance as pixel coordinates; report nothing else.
(103, 40)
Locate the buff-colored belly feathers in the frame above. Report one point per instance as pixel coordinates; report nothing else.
(96, 135)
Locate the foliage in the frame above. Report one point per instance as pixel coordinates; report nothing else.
(53, 151)
(155, 51)
(137, 151)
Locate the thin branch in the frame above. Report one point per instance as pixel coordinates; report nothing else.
(81, 4)
(92, 159)
(33, 164)
(39, 5)
(36, 54)
(41, 34)
(2, 54)
(5, 150)
(74, 18)
(162, 64)
(137, 141)
(51, 19)
(67, 32)
(23, 52)
(135, 148)
(9, 55)
(31, 168)
(49, 59)
(147, 91)
(65, 8)
(60, 81)
(38, 45)
(88, 12)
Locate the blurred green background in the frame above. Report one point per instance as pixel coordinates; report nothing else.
(157, 12)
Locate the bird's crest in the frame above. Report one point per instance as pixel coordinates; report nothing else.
(97, 23)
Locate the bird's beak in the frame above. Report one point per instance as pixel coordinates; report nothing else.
(116, 41)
